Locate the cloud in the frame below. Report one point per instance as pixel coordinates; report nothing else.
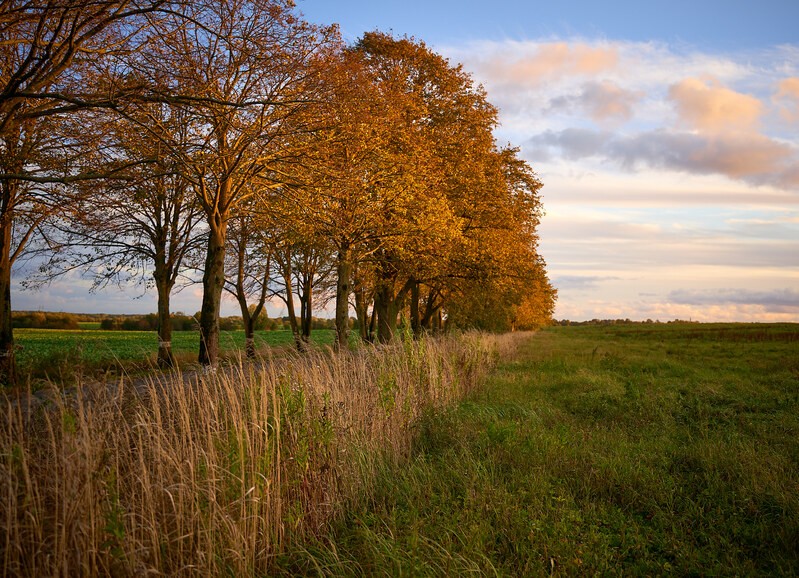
(753, 158)
(604, 102)
(580, 282)
(646, 308)
(712, 107)
(531, 64)
(787, 99)
(774, 301)
(573, 143)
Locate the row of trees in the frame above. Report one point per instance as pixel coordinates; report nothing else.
(230, 140)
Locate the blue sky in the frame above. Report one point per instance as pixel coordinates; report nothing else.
(666, 135)
(731, 24)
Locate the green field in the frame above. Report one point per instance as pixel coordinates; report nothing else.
(621, 450)
(56, 352)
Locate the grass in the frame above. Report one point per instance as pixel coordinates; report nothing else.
(56, 353)
(219, 474)
(624, 450)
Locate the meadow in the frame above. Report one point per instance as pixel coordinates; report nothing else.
(622, 450)
(58, 353)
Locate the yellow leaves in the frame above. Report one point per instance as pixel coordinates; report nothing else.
(406, 174)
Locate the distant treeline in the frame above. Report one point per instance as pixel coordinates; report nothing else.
(149, 322)
(617, 322)
(42, 320)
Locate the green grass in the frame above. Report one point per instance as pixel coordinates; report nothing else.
(632, 450)
(56, 352)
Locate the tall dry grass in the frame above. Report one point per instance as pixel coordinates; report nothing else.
(219, 473)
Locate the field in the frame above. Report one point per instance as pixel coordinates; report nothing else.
(593, 450)
(55, 353)
(625, 450)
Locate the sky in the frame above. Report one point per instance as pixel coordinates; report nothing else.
(666, 135)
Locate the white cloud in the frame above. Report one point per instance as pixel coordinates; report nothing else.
(531, 64)
(709, 106)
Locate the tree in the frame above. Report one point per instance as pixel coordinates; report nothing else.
(312, 268)
(240, 73)
(45, 49)
(453, 122)
(361, 174)
(140, 225)
(500, 280)
(250, 261)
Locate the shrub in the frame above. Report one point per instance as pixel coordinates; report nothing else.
(45, 320)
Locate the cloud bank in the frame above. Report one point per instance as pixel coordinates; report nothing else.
(753, 158)
(642, 106)
(776, 301)
(668, 172)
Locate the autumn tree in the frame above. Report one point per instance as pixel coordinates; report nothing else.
(499, 275)
(45, 48)
(468, 226)
(408, 186)
(312, 268)
(361, 168)
(302, 265)
(139, 225)
(453, 122)
(239, 72)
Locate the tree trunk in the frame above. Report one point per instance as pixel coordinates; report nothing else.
(416, 321)
(213, 282)
(430, 309)
(388, 305)
(295, 330)
(386, 308)
(166, 358)
(306, 313)
(344, 272)
(8, 360)
(247, 318)
(361, 313)
(249, 336)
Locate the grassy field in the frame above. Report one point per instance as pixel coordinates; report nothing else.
(632, 450)
(56, 352)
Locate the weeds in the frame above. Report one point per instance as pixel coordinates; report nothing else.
(219, 474)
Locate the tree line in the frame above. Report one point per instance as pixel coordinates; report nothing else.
(233, 143)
